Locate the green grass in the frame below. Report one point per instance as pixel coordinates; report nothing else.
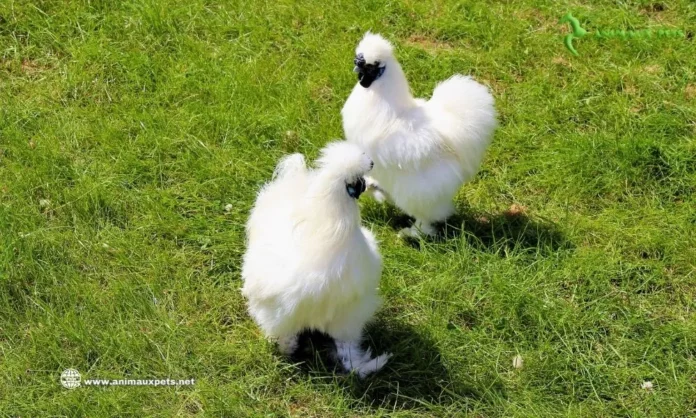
(127, 127)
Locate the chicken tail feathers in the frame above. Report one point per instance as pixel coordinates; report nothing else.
(289, 166)
(463, 111)
(465, 97)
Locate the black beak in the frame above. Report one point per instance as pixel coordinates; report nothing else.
(365, 79)
(367, 73)
(356, 189)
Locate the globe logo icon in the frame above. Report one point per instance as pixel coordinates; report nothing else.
(70, 378)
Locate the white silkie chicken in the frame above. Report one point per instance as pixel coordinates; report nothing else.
(423, 150)
(309, 263)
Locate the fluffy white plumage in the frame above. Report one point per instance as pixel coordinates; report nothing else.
(309, 264)
(423, 150)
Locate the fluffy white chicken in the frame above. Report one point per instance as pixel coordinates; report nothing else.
(309, 264)
(423, 150)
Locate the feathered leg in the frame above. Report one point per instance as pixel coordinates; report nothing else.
(418, 229)
(347, 333)
(354, 359)
(424, 226)
(377, 193)
(287, 344)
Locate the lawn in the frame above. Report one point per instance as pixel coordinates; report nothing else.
(134, 136)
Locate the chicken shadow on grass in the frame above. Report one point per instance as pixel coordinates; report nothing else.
(509, 231)
(413, 378)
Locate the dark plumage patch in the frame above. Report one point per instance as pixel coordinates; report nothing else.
(367, 73)
(357, 188)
